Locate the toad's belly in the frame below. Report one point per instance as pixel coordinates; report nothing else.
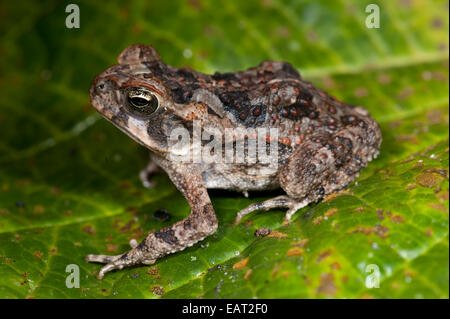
(240, 178)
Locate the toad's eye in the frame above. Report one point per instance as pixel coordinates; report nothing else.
(141, 101)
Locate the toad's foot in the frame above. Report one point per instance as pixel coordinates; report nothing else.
(135, 256)
(129, 258)
(276, 202)
(146, 173)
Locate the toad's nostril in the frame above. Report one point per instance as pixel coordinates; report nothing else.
(101, 86)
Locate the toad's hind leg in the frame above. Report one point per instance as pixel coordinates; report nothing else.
(311, 173)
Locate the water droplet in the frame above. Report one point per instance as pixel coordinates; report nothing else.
(294, 46)
(187, 53)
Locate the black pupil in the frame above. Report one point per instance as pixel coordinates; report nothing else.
(138, 101)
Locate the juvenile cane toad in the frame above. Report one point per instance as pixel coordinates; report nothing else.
(322, 143)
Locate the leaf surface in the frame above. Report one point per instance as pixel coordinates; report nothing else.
(69, 181)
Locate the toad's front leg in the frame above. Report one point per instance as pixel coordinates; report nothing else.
(201, 223)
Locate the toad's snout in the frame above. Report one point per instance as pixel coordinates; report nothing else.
(102, 92)
(102, 85)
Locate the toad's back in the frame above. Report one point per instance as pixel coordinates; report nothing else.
(273, 94)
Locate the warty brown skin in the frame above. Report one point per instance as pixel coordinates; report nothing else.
(322, 145)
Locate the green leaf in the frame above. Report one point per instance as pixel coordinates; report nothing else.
(69, 181)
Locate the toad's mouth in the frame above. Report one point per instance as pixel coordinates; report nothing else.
(124, 130)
